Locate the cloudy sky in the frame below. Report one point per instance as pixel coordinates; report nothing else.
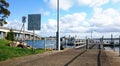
(76, 16)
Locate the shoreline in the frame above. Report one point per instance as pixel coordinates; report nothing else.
(34, 56)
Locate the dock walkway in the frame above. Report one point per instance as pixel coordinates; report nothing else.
(71, 57)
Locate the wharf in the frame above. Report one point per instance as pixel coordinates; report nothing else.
(69, 57)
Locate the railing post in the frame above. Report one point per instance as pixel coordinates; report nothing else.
(86, 43)
(45, 43)
(119, 45)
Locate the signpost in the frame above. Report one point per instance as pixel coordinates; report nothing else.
(34, 23)
(23, 27)
(23, 21)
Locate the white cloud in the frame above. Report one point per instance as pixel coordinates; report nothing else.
(106, 20)
(73, 22)
(43, 12)
(73, 19)
(93, 3)
(68, 23)
(85, 24)
(64, 4)
(51, 25)
(115, 1)
(15, 24)
(67, 4)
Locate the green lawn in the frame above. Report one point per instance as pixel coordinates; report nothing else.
(7, 52)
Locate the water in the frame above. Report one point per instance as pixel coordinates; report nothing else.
(112, 48)
(52, 44)
(116, 49)
(49, 44)
(41, 43)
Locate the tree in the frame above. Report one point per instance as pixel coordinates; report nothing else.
(10, 35)
(4, 12)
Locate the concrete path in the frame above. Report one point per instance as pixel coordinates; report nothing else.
(113, 58)
(71, 57)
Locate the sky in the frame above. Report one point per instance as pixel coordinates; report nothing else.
(76, 16)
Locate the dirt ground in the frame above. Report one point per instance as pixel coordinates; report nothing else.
(69, 57)
(113, 58)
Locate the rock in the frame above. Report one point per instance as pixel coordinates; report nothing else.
(14, 44)
(18, 44)
(29, 47)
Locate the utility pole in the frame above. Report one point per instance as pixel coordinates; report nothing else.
(119, 45)
(58, 29)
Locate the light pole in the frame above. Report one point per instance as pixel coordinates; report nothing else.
(119, 45)
(91, 36)
(58, 30)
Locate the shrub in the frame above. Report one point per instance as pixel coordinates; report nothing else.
(10, 35)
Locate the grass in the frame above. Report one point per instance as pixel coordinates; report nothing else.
(7, 52)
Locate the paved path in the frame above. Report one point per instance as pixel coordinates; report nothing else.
(114, 58)
(71, 57)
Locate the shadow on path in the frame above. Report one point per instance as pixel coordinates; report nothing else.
(98, 58)
(74, 58)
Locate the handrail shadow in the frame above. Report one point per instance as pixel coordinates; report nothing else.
(98, 57)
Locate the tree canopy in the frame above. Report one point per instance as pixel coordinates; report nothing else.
(4, 12)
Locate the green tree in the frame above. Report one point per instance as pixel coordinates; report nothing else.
(4, 12)
(10, 35)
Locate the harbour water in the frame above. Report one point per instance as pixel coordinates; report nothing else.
(45, 44)
(42, 43)
(116, 49)
(52, 44)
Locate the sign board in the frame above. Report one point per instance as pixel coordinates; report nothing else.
(34, 21)
(23, 19)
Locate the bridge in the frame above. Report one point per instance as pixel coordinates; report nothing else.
(17, 34)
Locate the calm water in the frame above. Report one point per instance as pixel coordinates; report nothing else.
(41, 43)
(52, 44)
(111, 48)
